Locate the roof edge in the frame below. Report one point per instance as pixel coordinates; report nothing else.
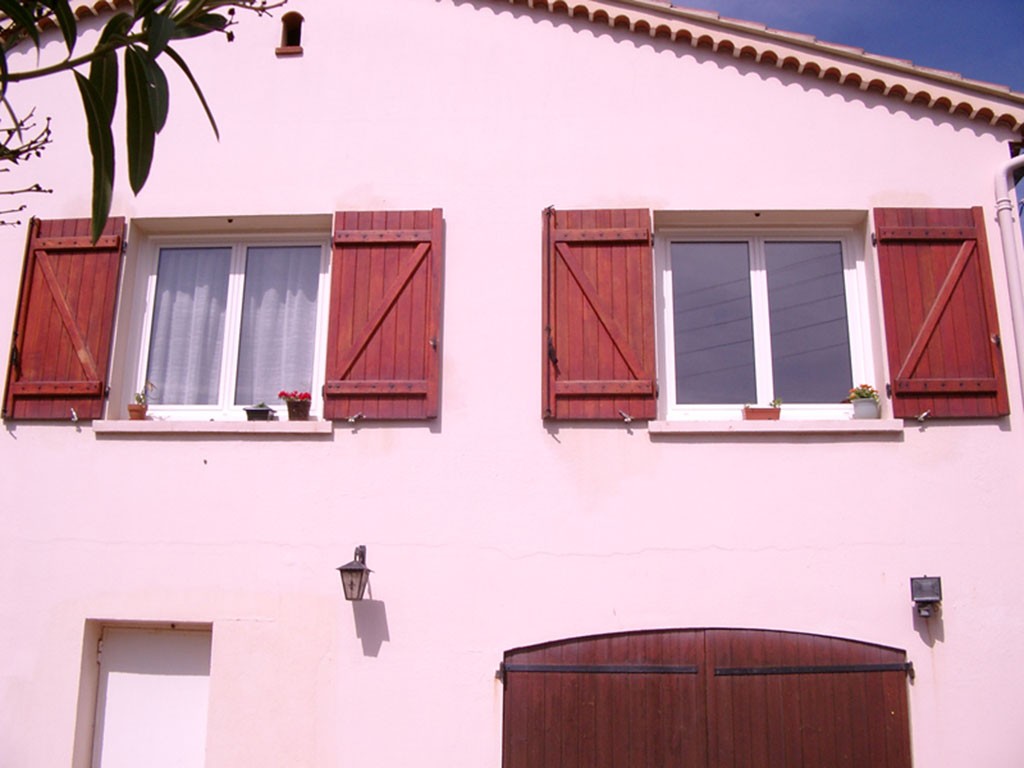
(947, 92)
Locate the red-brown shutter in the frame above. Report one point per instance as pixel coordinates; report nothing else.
(598, 335)
(62, 337)
(383, 355)
(940, 316)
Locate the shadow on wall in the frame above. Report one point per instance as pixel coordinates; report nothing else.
(371, 621)
(930, 629)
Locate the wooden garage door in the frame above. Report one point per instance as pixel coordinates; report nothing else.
(697, 698)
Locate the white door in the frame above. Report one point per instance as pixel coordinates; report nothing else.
(152, 699)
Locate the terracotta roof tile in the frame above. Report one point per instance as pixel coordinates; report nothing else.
(937, 89)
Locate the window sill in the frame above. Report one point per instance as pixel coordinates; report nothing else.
(154, 427)
(781, 427)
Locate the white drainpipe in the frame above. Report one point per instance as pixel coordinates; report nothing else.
(1010, 235)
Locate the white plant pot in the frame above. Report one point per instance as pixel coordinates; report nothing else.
(865, 408)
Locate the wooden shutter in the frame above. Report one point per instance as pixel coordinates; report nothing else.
(696, 698)
(61, 349)
(940, 317)
(383, 356)
(598, 335)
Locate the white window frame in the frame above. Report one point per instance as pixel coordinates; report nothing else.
(225, 409)
(856, 286)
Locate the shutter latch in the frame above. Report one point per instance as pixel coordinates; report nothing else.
(552, 354)
(996, 340)
(888, 390)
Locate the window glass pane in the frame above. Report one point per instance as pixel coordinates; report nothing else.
(278, 322)
(714, 339)
(810, 336)
(187, 342)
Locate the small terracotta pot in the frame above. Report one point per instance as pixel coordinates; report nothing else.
(137, 411)
(753, 413)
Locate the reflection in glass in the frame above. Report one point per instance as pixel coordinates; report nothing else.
(714, 339)
(275, 350)
(810, 336)
(187, 342)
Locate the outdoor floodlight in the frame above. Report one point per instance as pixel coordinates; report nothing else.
(926, 592)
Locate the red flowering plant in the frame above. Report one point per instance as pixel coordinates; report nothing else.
(294, 396)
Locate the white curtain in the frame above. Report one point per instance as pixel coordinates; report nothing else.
(275, 349)
(187, 341)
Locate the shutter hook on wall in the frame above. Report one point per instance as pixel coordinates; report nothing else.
(923, 415)
(74, 415)
(355, 416)
(625, 416)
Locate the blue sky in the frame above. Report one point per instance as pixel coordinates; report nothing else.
(980, 39)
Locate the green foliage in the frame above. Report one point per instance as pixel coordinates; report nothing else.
(143, 38)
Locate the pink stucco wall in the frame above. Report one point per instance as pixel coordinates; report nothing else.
(488, 530)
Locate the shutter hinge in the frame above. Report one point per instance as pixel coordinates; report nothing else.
(15, 359)
(99, 650)
(874, 240)
(552, 353)
(501, 674)
(888, 390)
(996, 340)
(124, 245)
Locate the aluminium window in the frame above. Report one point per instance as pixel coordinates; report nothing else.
(231, 323)
(753, 317)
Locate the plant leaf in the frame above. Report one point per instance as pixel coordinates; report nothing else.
(141, 135)
(158, 32)
(159, 93)
(116, 29)
(195, 86)
(21, 15)
(3, 74)
(65, 20)
(103, 78)
(201, 25)
(101, 144)
(144, 7)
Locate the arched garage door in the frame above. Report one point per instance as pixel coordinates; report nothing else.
(706, 698)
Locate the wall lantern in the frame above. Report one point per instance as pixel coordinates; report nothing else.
(926, 592)
(355, 575)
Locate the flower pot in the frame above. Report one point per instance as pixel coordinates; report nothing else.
(298, 410)
(258, 413)
(753, 413)
(865, 408)
(137, 411)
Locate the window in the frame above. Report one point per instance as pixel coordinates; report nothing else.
(217, 320)
(291, 35)
(232, 323)
(752, 317)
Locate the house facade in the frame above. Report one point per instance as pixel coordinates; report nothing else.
(531, 260)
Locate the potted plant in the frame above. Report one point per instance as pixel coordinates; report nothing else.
(259, 412)
(864, 398)
(762, 413)
(137, 410)
(298, 404)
